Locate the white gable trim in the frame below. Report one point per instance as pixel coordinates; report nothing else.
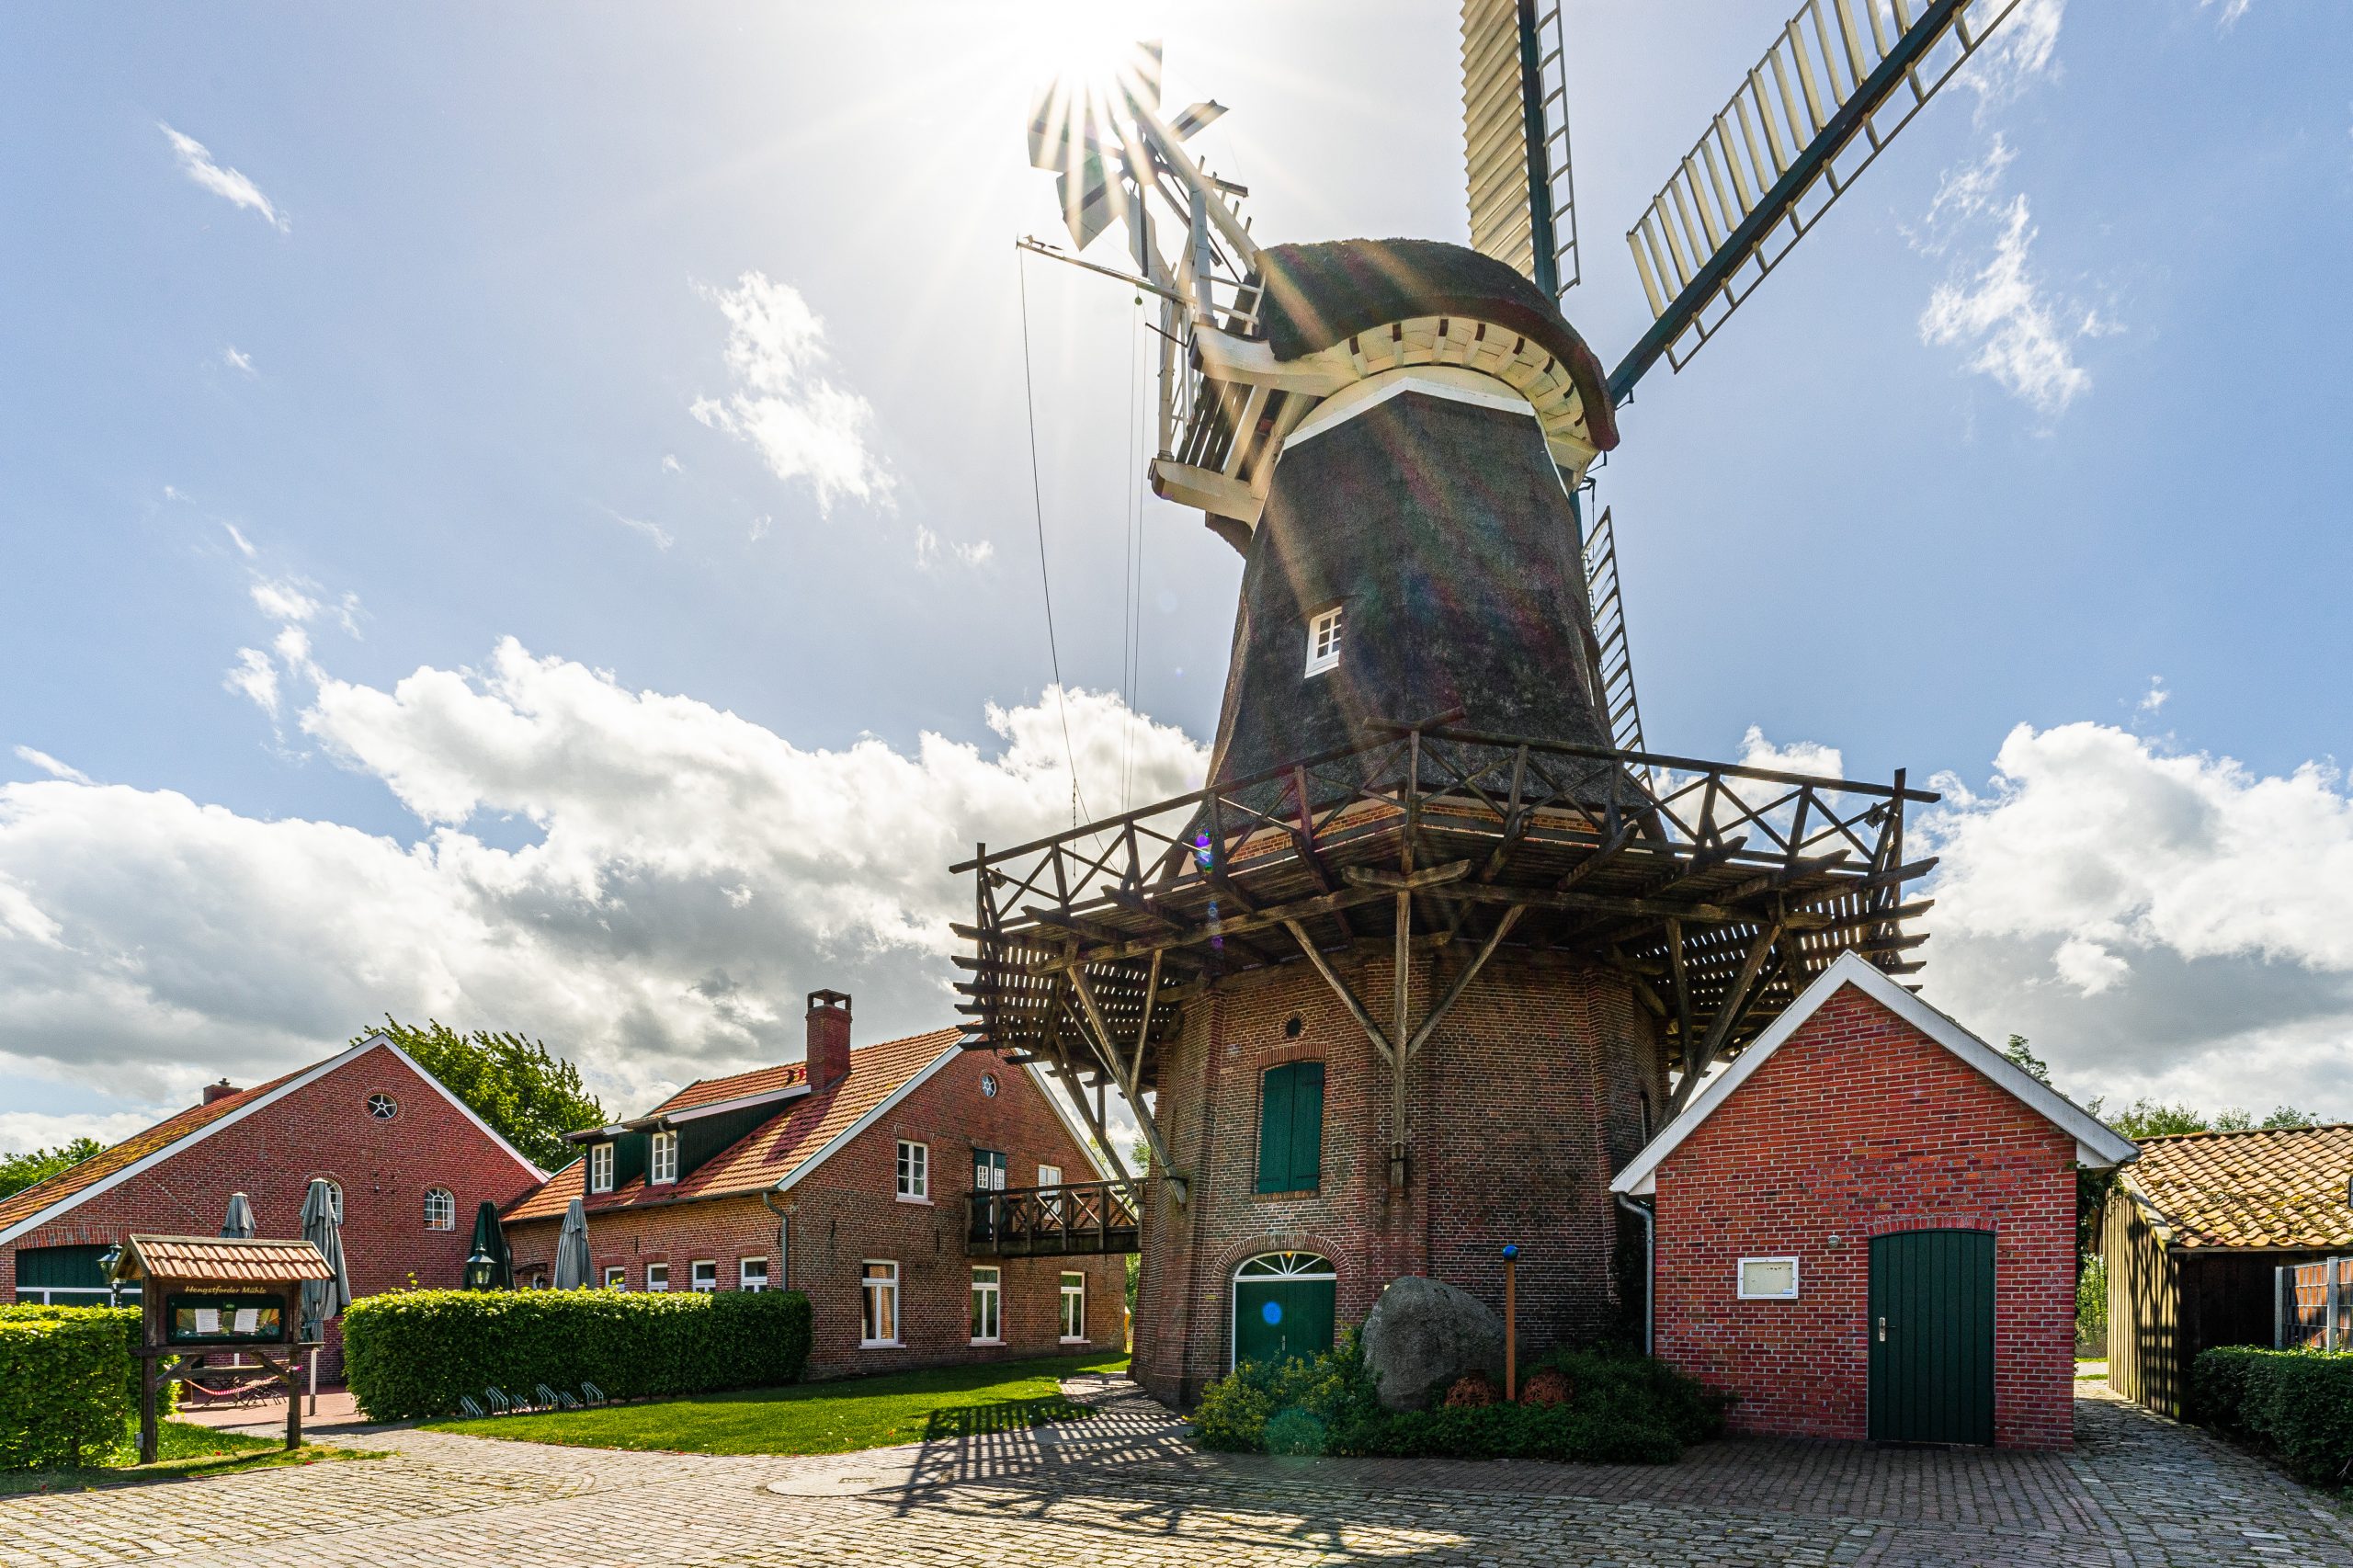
(880, 1109)
(1078, 1133)
(1453, 382)
(301, 1081)
(2097, 1145)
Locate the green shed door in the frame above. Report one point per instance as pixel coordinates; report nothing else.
(1932, 1338)
(66, 1277)
(1283, 1307)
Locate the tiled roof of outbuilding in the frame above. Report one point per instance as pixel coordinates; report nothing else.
(770, 1152)
(2271, 1187)
(138, 1146)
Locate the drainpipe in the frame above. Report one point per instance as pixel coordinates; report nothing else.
(783, 1236)
(1650, 1263)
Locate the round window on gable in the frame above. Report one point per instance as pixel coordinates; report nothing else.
(382, 1106)
(1293, 1026)
(988, 1084)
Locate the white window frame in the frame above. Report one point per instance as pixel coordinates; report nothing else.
(616, 1277)
(745, 1280)
(697, 1279)
(662, 1160)
(987, 1304)
(1740, 1281)
(1326, 630)
(870, 1312)
(601, 1168)
(915, 1171)
(441, 1216)
(1070, 1292)
(657, 1277)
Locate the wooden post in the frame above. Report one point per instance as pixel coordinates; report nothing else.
(1511, 1323)
(147, 1435)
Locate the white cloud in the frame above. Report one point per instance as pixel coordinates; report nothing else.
(2157, 923)
(660, 536)
(2153, 701)
(785, 402)
(253, 677)
(285, 599)
(197, 162)
(235, 537)
(670, 463)
(2231, 9)
(2020, 54)
(52, 766)
(21, 1131)
(760, 526)
(690, 876)
(977, 554)
(238, 359)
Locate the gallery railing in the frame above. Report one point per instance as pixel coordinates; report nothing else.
(1075, 1218)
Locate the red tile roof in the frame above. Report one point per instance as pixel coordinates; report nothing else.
(710, 1091)
(2277, 1186)
(108, 1162)
(770, 1152)
(217, 1261)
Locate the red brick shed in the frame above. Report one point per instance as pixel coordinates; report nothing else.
(1866, 1227)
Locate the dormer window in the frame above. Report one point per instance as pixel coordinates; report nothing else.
(1323, 639)
(601, 1168)
(663, 1164)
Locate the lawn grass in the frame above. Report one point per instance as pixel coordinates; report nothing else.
(819, 1418)
(184, 1451)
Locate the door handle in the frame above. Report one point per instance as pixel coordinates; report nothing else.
(1883, 1331)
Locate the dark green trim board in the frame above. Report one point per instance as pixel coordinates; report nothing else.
(1931, 1328)
(1291, 1128)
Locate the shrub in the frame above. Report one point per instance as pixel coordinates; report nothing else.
(2297, 1404)
(1471, 1391)
(1547, 1385)
(1625, 1409)
(126, 1321)
(63, 1391)
(409, 1355)
(2091, 1302)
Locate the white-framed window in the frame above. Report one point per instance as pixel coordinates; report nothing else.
(616, 1277)
(661, 1164)
(752, 1274)
(335, 1194)
(878, 1303)
(1324, 641)
(1073, 1309)
(1768, 1279)
(1051, 1203)
(915, 1171)
(703, 1274)
(988, 1321)
(440, 1208)
(382, 1106)
(601, 1168)
(657, 1277)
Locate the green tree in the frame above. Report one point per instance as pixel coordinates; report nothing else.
(530, 1095)
(2036, 1068)
(19, 1172)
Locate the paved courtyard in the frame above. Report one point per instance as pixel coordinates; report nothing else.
(1123, 1488)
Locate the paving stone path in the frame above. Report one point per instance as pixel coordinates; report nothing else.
(1123, 1488)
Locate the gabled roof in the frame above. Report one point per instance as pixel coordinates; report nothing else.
(2097, 1145)
(740, 1086)
(223, 1261)
(2281, 1187)
(781, 1150)
(39, 1204)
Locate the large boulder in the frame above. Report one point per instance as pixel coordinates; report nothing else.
(1423, 1335)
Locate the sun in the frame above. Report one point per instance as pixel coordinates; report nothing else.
(1091, 49)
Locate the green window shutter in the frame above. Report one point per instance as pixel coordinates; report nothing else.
(1275, 1100)
(1306, 1125)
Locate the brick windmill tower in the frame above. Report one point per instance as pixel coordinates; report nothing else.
(1440, 945)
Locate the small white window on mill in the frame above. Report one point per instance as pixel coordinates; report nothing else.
(1323, 639)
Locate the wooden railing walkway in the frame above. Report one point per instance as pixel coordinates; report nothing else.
(1077, 1218)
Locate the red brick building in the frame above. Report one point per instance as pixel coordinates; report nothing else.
(844, 1177)
(410, 1161)
(1866, 1227)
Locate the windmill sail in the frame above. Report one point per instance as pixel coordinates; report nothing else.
(1515, 140)
(1832, 90)
(1612, 658)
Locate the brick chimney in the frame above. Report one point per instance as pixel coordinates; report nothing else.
(220, 1091)
(828, 1039)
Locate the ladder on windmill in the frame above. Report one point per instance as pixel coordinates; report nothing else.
(1610, 637)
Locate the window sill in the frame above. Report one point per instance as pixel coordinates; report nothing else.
(923, 1202)
(984, 1342)
(1072, 1340)
(1292, 1192)
(881, 1344)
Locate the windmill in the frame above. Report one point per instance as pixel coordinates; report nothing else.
(1440, 944)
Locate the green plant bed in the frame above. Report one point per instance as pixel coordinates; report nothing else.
(1626, 1409)
(819, 1418)
(183, 1452)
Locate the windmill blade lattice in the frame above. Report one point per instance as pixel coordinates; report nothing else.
(1515, 140)
(1832, 90)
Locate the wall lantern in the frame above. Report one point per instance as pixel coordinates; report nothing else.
(480, 1267)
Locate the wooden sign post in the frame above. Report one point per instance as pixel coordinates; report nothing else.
(1511, 1321)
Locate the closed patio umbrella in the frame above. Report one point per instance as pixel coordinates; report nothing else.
(322, 1298)
(572, 1249)
(490, 1242)
(239, 1226)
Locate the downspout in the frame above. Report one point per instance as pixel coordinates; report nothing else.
(783, 1236)
(1650, 1264)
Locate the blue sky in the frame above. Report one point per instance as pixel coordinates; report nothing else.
(524, 514)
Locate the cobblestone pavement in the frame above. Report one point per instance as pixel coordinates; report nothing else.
(1123, 1488)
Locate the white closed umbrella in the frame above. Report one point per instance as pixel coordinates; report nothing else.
(572, 1249)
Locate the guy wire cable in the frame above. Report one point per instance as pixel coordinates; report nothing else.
(1038, 508)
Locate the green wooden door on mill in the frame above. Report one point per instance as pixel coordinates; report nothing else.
(1932, 1338)
(1283, 1308)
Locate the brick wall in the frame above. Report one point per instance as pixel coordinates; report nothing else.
(321, 1128)
(1522, 1105)
(847, 1212)
(1856, 1127)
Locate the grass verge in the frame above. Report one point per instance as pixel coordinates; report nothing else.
(185, 1452)
(819, 1418)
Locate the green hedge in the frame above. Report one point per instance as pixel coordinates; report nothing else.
(63, 1388)
(409, 1355)
(2295, 1403)
(1626, 1409)
(126, 1321)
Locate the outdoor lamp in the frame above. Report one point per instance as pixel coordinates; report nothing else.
(480, 1266)
(106, 1260)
